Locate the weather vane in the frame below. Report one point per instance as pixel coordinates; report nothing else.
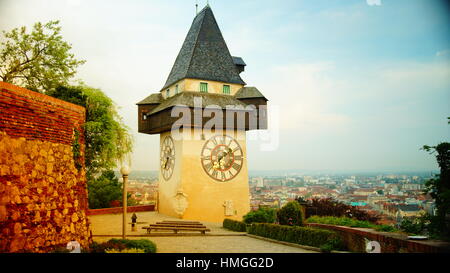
(196, 5)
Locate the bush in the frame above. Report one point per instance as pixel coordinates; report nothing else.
(386, 228)
(122, 244)
(339, 221)
(127, 250)
(413, 225)
(427, 225)
(234, 225)
(331, 207)
(290, 213)
(348, 222)
(262, 215)
(299, 235)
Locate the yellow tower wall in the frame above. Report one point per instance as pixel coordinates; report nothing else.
(193, 85)
(205, 196)
(168, 189)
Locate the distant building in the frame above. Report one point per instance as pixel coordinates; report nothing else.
(259, 182)
(409, 210)
(411, 187)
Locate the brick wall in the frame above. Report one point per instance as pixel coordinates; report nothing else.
(43, 195)
(32, 115)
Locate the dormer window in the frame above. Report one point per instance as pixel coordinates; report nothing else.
(176, 89)
(167, 93)
(204, 87)
(226, 89)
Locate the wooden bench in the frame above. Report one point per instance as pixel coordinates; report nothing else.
(172, 225)
(180, 222)
(175, 229)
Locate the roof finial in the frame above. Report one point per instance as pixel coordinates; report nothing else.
(196, 7)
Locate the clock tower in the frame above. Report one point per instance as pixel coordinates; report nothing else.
(202, 114)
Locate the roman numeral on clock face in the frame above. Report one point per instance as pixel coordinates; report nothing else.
(208, 166)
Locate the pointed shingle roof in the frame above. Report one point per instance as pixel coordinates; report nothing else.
(152, 99)
(249, 93)
(204, 54)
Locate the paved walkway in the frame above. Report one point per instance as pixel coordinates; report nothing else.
(219, 240)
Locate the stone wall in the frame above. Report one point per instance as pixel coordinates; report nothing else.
(356, 239)
(43, 193)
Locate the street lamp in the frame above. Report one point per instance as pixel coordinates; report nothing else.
(125, 171)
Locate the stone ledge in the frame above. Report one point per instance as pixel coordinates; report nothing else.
(390, 242)
(120, 210)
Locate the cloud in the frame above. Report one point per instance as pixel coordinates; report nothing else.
(373, 2)
(415, 77)
(443, 53)
(303, 91)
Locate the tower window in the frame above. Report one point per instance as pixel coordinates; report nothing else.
(226, 89)
(204, 87)
(176, 89)
(167, 93)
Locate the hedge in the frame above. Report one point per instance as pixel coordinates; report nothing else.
(234, 225)
(121, 244)
(309, 236)
(349, 222)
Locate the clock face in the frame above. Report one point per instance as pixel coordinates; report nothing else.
(222, 157)
(167, 157)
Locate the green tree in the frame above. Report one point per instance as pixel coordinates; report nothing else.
(108, 140)
(103, 190)
(439, 187)
(40, 60)
(290, 213)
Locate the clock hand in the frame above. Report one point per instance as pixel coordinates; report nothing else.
(166, 161)
(223, 155)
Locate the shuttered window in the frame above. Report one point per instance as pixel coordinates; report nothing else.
(226, 89)
(204, 87)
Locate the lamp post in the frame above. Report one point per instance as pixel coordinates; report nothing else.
(125, 171)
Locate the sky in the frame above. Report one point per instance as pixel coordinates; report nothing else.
(353, 85)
